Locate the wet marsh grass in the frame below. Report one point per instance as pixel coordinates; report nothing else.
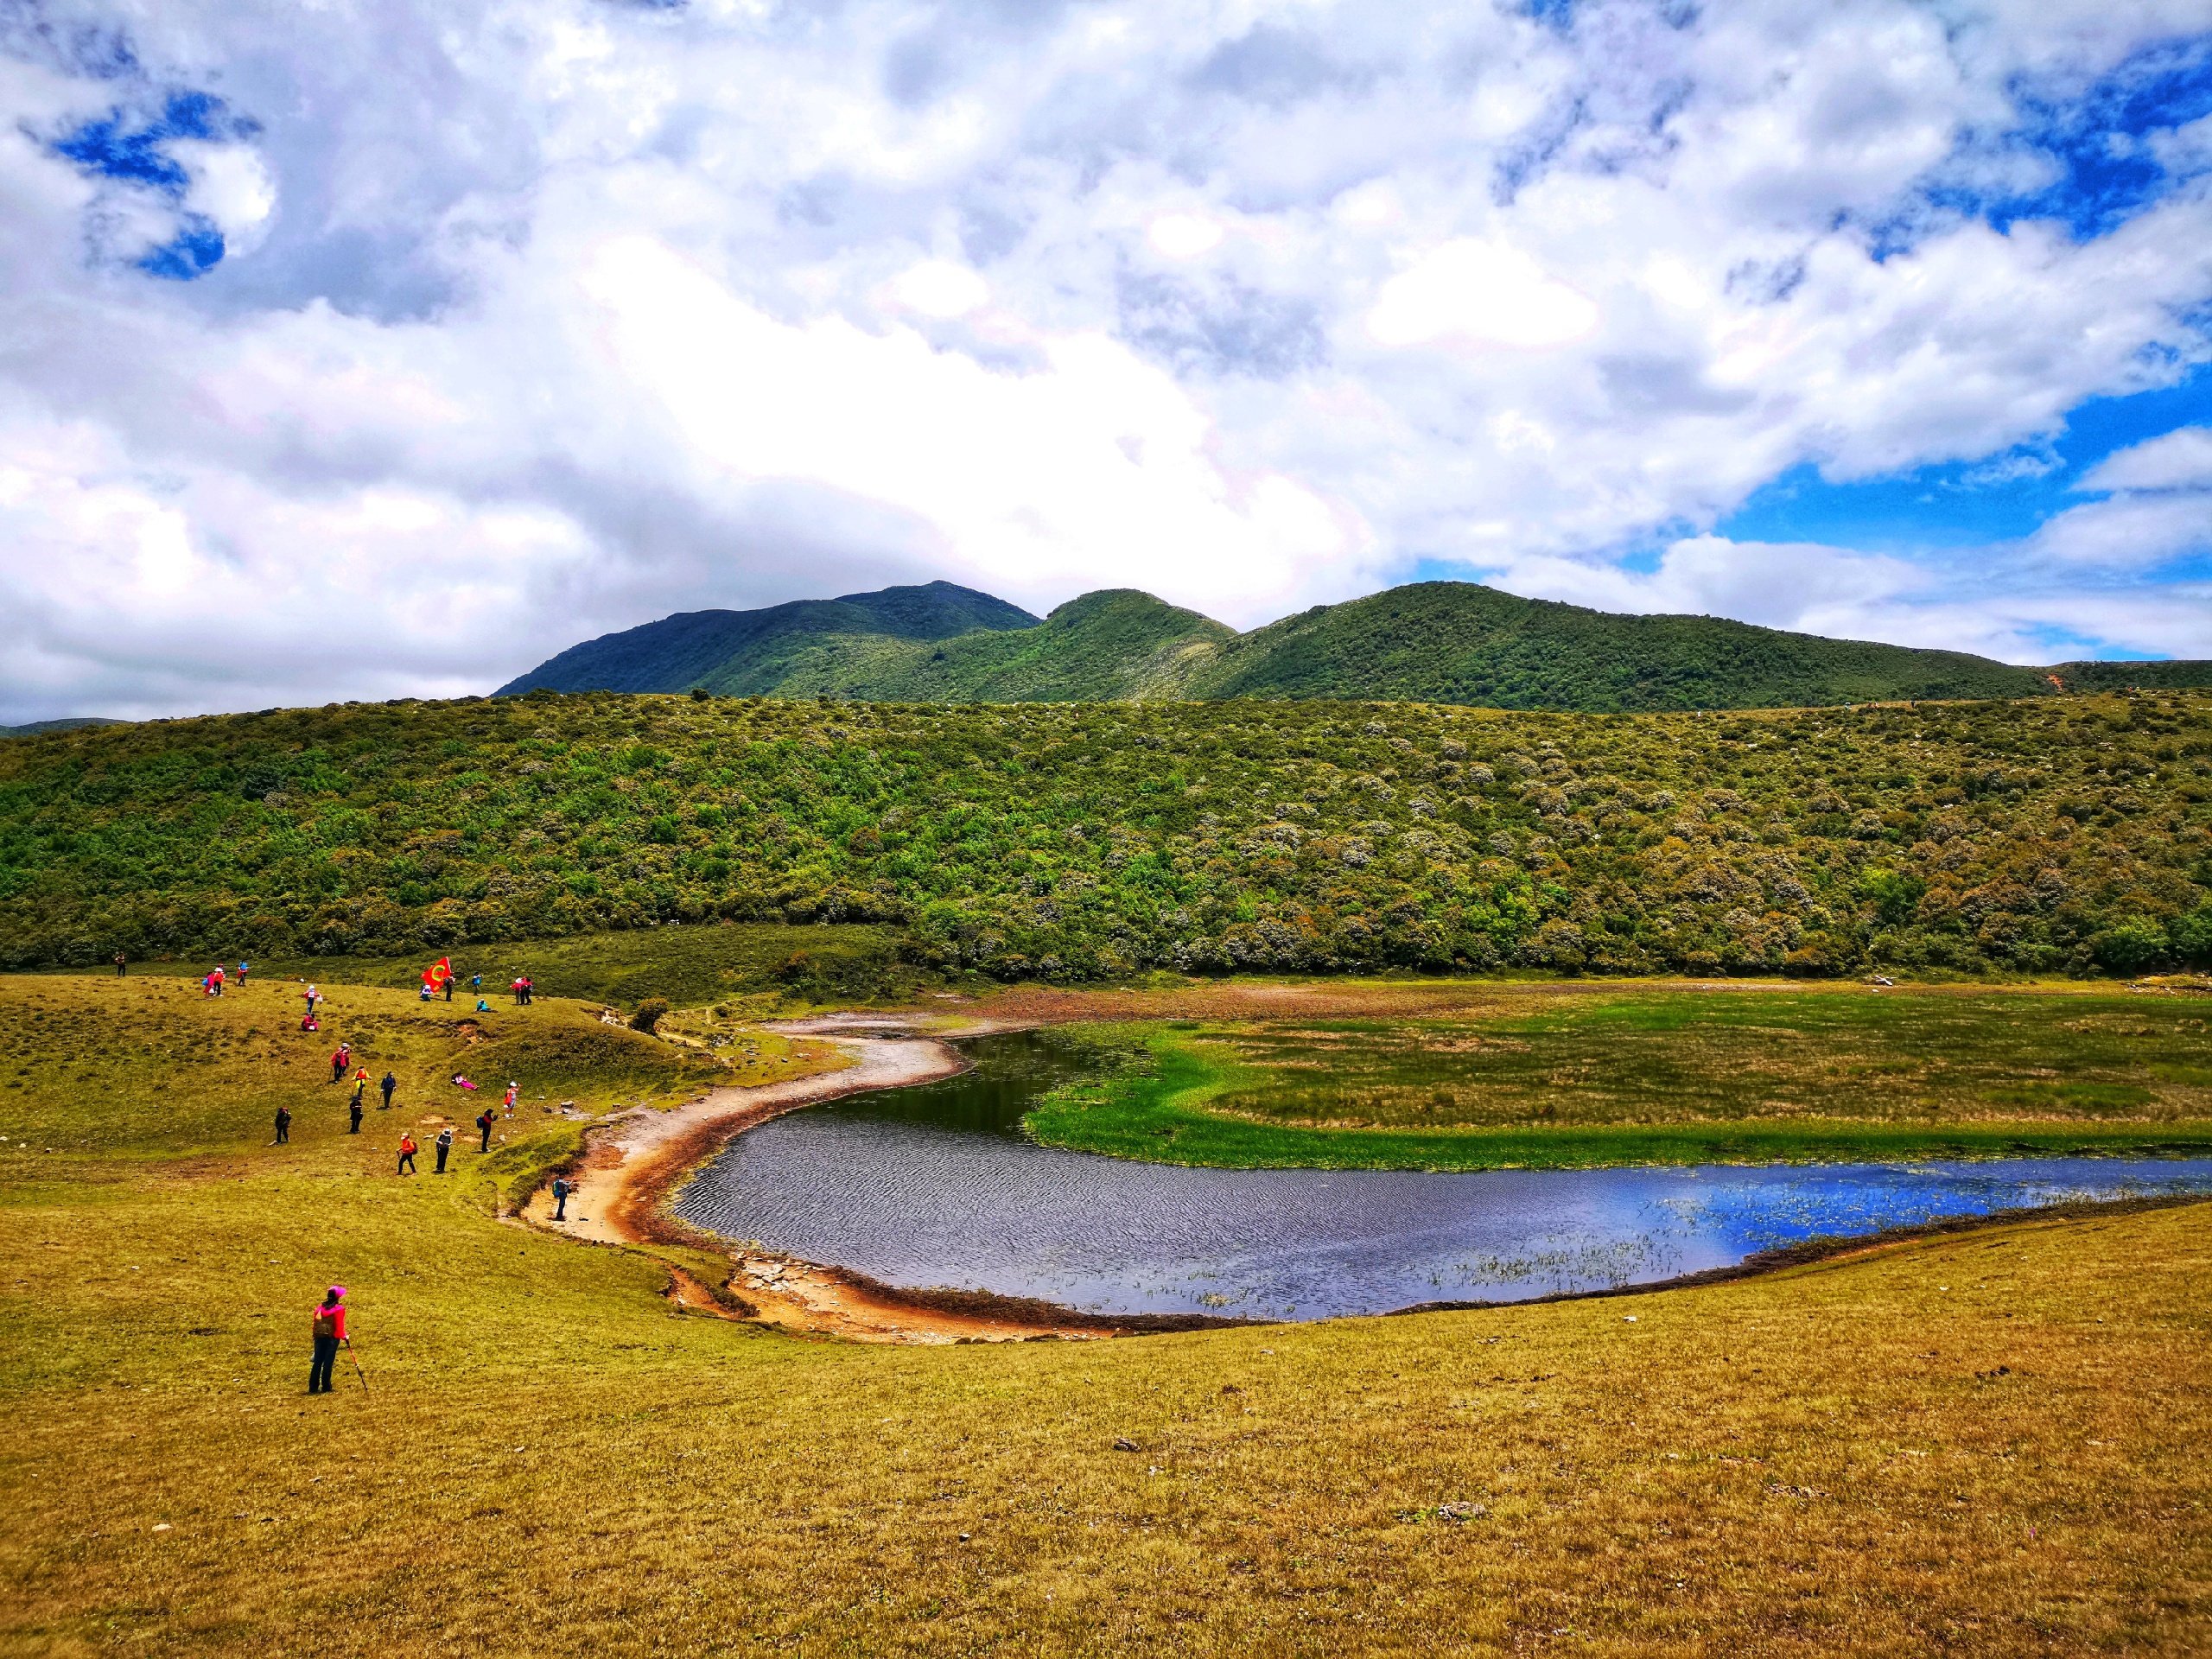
(1655, 1078)
(1985, 1441)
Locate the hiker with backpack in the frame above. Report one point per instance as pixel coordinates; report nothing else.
(484, 1126)
(445, 1146)
(329, 1333)
(341, 1060)
(406, 1154)
(560, 1190)
(283, 1125)
(388, 1085)
(354, 1114)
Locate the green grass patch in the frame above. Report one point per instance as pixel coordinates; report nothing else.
(1650, 1077)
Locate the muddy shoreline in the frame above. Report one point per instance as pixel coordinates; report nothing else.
(635, 1166)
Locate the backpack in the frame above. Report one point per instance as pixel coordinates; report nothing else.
(326, 1321)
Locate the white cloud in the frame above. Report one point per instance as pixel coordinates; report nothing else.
(937, 287)
(1480, 293)
(2181, 459)
(1185, 236)
(539, 322)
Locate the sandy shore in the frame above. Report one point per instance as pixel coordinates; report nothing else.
(636, 1163)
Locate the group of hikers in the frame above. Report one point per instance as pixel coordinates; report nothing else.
(211, 983)
(329, 1319)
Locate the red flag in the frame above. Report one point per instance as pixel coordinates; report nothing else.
(438, 972)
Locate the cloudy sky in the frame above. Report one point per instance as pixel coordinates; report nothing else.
(368, 347)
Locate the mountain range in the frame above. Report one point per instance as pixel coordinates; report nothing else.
(1442, 642)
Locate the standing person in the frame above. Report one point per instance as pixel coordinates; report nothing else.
(338, 1059)
(329, 1333)
(516, 989)
(509, 1103)
(560, 1190)
(484, 1128)
(388, 1085)
(311, 996)
(243, 966)
(445, 1146)
(119, 961)
(283, 1125)
(406, 1154)
(360, 1087)
(354, 1114)
(528, 992)
(216, 979)
(476, 984)
(449, 988)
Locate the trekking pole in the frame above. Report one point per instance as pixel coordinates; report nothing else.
(357, 1371)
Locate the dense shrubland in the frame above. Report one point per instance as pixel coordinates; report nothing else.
(1073, 841)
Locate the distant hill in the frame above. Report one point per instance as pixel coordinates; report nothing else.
(1448, 642)
(745, 653)
(74, 725)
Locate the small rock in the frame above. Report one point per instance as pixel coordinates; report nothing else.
(1461, 1511)
(164, 1527)
(1125, 1444)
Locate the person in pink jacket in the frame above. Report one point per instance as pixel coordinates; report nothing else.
(329, 1334)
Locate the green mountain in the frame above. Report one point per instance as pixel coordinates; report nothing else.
(745, 653)
(1445, 642)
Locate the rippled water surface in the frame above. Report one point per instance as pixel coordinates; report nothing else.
(933, 1185)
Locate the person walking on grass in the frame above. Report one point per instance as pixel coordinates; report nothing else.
(283, 1125)
(406, 1154)
(329, 1336)
(445, 1146)
(389, 1083)
(120, 963)
(341, 1060)
(560, 1190)
(243, 965)
(354, 1114)
(484, 1126)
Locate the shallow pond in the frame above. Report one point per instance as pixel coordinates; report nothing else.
(933, 1185)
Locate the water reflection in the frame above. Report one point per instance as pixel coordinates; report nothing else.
(932, 1185)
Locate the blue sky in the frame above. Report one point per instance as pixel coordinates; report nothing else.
(388, 352)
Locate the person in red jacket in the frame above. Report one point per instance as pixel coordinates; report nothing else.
(329, 1333)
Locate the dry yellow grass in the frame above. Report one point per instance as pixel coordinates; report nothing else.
(1990, 1443)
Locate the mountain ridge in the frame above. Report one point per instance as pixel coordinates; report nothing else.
(1442, 642)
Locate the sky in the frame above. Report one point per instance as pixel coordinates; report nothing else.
(370, 348)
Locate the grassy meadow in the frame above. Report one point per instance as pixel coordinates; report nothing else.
(1975, 1442)
(757, 965)
(1537, 1081)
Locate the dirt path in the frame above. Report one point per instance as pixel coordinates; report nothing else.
(637, 1162)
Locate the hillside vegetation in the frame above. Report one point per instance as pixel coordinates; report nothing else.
(1448, 642)
(1078, 841)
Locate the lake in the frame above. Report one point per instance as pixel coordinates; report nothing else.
(933, 1185)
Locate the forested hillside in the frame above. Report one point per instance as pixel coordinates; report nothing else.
(1448, 642)
(1456, 642)
(1083, 840)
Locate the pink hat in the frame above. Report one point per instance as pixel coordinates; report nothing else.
(337, 1293)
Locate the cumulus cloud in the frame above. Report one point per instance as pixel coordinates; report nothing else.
(360, 352)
